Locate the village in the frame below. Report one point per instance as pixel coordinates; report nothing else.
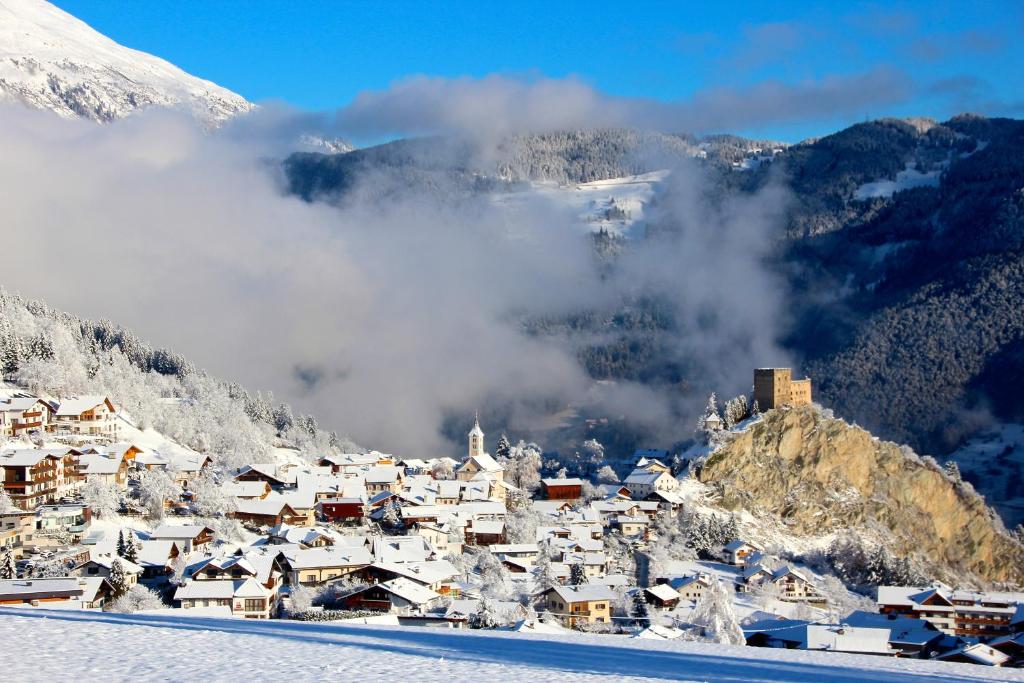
(94, 516)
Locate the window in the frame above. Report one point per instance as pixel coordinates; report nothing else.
(253, 604)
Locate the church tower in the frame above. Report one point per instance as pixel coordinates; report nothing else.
(476, 438)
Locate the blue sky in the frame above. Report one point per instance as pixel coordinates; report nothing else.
(319, 55)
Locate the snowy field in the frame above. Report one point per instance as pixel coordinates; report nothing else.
(94, 646)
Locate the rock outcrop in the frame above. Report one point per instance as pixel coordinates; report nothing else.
(819, 474)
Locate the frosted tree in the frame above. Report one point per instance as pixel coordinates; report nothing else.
(544, 573)
(300, 599)
(8, 568)
(136, 599)
(6, 504)
(523, 467)
(118, 579)
(120, 543)
(577, 574)
(156, 488)
(953, 472)
(103, 497)
(178, 568)
(131, 550)
(736, 410)
(486, 615)
(503, 449)
(606, 475)
(208, 498)
(392, 517)
(715, 616)
(442, 469)
(497, 583)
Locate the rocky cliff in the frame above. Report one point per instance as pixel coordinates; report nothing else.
(819, 474)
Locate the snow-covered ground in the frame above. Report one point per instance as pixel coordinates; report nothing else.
(616, 205)
(92, 646)
(905, 180)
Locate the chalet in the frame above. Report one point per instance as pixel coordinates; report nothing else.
(341, 510)
(662, 596)
(265, 472)
(739, 550)
(251, 490)
(158, 559)
(245, 597)
(632, 527)
(578, 605)
(105, 468)
(101, 564)
(642, 483)
(352, 463)
(693, 587)
(443, 537)
(25, 415)
(86, 593)
(977, 653)
(398, 596)
(650, 458)
(187, 537)
(562, 489)
(795, 586)
(91, 415)
(485, 532)
(383, 478)
(522, 551)
(955, 612)
(425, 514)
(1011, 646)
(304, 537)
(402, 549)
(17, 529)
(788, 634)
(437, 575)
(312, 566)
(271, 511)
(668, 502)
(33, 476)
(908, 637)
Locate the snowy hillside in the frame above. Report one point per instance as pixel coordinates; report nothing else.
(119, 647)
(993, 462)
(51, 60)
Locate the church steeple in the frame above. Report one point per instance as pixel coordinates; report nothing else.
(476, 438)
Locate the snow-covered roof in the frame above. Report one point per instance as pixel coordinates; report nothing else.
(155, 553)
(663, 591)
(568, 481)
(484, 463)
(76, 405)
(587, 592)
(978, 653)
(98, 463)
(409, 591)
(427, 573)
(739, 543)
(221, 589)
(486, 526)
(318, 558)
(382, 474)
(29, 457)
(174, 532)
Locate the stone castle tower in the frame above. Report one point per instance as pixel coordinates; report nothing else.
(476, 438)
(775, 387)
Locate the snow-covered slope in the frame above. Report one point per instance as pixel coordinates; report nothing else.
(51, 60)
(121, 647)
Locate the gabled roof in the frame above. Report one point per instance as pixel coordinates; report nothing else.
(76, 405)
(739, 543)
(587, 592)
(663, 592)
(173, 532)
(978, 653)
(155, 553)
(332, 556)
(409, 591)
(484, 463)
(29, 457)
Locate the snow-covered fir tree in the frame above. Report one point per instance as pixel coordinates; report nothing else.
(118, 579)
(577, 574)
(8, 568)
(715, 616)
(639, 609)
(131, 549)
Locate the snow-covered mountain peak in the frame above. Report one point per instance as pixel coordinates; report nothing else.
(51, 60)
